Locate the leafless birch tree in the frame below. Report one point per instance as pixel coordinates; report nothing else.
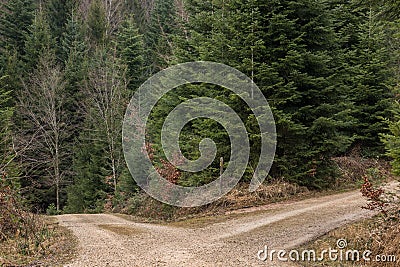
(45, 128)
(106, 101)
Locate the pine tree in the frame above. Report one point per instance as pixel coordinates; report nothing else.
(38, 41)
(365, 73)
(158, 35)
(131, 51)
(392, 139)
(75, 57)
(89, 188)
(289, 49)
(98, 162)
(57, 14)
(96, 23)
(15, 20)
(14, 24)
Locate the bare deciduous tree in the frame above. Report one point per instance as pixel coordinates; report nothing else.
(106, 101)
(114, 15)
(44, 128)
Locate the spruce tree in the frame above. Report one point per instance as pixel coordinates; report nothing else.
(366, 73)
(158, 35)
(57, 14)
(15, 20)
(75, 60)
(392, 139)
(96, 24)
(38, 41)
(289, 49)
(131, 51)
(98, 161)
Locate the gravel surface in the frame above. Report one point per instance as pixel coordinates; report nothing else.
(108, 240)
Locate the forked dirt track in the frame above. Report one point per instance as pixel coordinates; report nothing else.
(108, 240)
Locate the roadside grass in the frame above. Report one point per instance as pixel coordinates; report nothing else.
(143, 208)
(380, 235)
(59, 246)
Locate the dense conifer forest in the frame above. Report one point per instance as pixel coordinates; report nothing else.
(329, 69)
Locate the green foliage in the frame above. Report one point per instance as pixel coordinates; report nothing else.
(158, 35)
(74, 57)
(88, 189)
(57, 13)
(290, 50)
(98, 161)
(370, 80)
(392, 139)
(16, 16)
(327, 69)
(96, 23)
(130, 48)
(38, 41)
(52, 210)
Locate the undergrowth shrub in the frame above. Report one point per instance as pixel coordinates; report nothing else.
(52, 210)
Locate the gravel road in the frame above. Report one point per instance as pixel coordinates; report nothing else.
(108, 240)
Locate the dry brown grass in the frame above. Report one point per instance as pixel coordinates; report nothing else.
(27, 238)
(353, 168)
(380, 235)
(148, 209)
(60, 247)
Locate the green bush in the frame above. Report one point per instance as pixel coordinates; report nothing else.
(52, 210)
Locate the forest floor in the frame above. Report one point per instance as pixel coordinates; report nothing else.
(233, 239)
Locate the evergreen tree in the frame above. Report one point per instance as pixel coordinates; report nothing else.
(392, 140)
(99, 162)
(365, 73)
(158, 35)
(89, 188)
(57, 14)
(38, 41)
(16, 17)
(13, 73)
(75, 57)
(131, 51)
(15, 20)
(96, 23)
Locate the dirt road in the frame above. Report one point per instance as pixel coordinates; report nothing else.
(108, 240)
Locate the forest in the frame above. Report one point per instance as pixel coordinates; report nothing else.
(330, 70)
